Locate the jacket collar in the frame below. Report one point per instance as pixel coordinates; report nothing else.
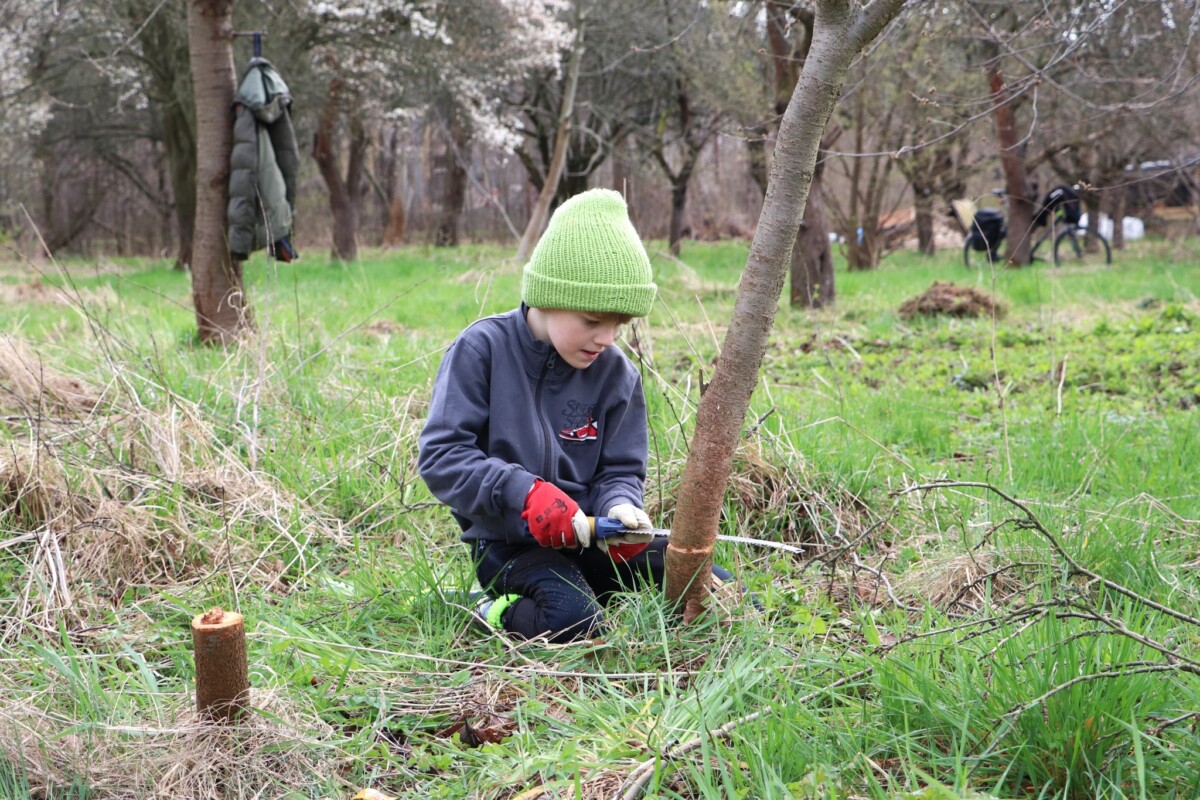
(534, 353)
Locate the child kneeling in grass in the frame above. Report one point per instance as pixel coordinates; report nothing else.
(538, 420)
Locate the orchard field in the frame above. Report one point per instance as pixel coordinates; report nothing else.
(1002, 518)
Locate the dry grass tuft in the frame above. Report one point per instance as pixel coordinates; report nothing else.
(30, 386)
(176, 756)
(155, 499)
(604, 785)
(962, 582)
(33, 487)
(119, 545)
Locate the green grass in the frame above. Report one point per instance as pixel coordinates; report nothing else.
(278, 478)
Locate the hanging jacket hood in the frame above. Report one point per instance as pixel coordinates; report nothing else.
(264, 163)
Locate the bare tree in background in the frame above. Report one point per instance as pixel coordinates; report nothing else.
(869, 117)
(609, 96)
(346, 189)
(1093, 57)
(1120, 100)
(681, 120)
(554, 170)
(841, 30)
(217, 290)
(902, 110)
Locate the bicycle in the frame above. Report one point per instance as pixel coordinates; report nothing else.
(1059, 215)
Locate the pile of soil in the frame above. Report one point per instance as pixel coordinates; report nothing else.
(946, 299)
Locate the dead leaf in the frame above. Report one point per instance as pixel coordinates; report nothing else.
(491, 730)
(372, 794)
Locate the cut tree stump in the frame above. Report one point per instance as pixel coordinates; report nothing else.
(222, 676)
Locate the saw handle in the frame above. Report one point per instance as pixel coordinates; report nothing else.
(607, 527)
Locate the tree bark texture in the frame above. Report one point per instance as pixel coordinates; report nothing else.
(1012, 162)
(222, 673)
(841, 31)
(549, 188)
(217, 290)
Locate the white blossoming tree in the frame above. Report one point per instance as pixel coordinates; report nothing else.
(380, 58)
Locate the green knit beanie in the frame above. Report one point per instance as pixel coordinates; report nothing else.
(590, 259)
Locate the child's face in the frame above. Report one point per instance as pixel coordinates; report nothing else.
(581, 336)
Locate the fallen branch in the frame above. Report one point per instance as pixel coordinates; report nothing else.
(1032, 522)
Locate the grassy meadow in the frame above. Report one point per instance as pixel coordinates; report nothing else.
(1003, 516)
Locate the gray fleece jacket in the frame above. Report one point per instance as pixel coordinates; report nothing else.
(507, 409)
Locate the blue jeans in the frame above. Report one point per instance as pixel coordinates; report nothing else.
(563, 592)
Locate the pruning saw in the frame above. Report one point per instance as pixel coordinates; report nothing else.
(605, 527)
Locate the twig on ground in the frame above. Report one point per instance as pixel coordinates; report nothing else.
(1034, 523)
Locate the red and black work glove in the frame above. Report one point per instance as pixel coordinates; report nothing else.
(555, 519)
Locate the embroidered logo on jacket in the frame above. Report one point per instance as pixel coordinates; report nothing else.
(581, 425)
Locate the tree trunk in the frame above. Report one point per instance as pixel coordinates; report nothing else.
(165, 53)
(454, 190)
(1116, 206)
(217, 290)
(388, 167)
(812, 257)
(756, 151)
(923, 218)
(345, 193)
(679, 189)
(180, 142)
(842, 30)
(397, 223)
(812, 268)
(1012, 162)
(541, 209)
(1091, 207)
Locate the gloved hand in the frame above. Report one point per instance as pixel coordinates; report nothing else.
(624, 547)
(554, 519)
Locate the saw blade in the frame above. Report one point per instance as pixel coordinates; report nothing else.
(784, 546)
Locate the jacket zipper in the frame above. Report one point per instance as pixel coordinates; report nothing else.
(546, 432)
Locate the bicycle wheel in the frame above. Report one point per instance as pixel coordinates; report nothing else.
(1081, 247)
